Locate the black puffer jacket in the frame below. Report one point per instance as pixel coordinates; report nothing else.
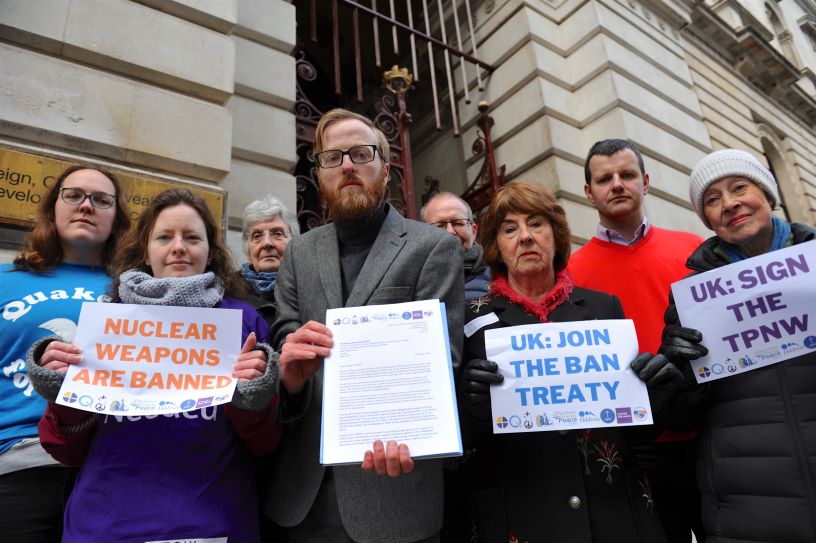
(757, 458)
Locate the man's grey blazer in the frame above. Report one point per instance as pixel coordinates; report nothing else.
(408, 261)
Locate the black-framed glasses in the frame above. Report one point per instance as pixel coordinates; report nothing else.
(458, 224)
(74, 197)
(359, 154)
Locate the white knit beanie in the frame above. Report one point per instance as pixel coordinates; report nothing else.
(729, 163)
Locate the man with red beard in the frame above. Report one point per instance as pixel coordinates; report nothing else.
(369, 255)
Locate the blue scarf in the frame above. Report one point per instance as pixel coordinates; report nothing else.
(781, 239)
(262, 282)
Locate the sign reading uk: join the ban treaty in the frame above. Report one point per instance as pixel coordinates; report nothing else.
(566, 375)
(752, 313)
(151, 360)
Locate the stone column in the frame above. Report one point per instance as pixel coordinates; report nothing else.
(184, 90)
(571, 73)
(263, 129)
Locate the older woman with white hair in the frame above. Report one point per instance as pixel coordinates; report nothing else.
(268, 227)
(757, 453)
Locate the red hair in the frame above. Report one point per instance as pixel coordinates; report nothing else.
(531, 200)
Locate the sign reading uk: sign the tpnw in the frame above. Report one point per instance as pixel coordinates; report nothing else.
(752, 313)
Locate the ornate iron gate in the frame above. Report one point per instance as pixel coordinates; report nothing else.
(326, 72)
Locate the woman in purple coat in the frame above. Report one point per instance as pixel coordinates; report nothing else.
(182, 476)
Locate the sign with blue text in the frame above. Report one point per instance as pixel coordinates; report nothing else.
(565, 376)
(752, 313)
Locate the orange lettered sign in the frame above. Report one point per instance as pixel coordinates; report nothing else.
(145, 360)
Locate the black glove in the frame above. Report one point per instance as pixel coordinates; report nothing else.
(657, 370)
(479, 374)
(663, 379)
(682, 343)
(679, 342)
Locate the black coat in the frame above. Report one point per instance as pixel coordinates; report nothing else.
(264, 304)
(756, 464)
(525, 485)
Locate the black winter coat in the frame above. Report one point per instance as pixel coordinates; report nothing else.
(554, 487)
(263, 303)
(757, 445)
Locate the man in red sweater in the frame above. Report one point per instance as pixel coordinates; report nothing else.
(638, 262)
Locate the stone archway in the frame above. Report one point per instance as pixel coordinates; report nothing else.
(794, 200)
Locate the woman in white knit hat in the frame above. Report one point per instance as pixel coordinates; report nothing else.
(757, 455)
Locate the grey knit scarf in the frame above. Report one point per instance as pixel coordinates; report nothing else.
(204, 290)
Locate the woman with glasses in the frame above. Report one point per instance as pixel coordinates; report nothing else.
(79, 220)
(268, 227)
(178, 476)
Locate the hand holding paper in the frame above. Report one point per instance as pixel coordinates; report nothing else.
(663, 379)
(656, 370)
(389, 379)
(302, 354)
(58, 355)
(565, 376)
(392, 460)
(753, 313)
(150, 360)
(478, 376)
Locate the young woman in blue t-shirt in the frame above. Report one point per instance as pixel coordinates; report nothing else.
(80, 218)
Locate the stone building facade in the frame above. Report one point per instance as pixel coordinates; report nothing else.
(201, 92)
(196, 92)
(678, 78)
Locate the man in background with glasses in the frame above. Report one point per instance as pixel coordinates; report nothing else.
(449, 212)
(368, 255)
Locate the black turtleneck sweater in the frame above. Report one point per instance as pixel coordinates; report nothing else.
(355, 242)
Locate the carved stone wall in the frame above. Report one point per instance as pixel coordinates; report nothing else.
(678, 78)
(191, 91)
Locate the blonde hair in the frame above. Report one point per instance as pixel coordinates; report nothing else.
(335, 116)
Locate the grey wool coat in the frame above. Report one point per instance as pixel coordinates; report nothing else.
(409, 261)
